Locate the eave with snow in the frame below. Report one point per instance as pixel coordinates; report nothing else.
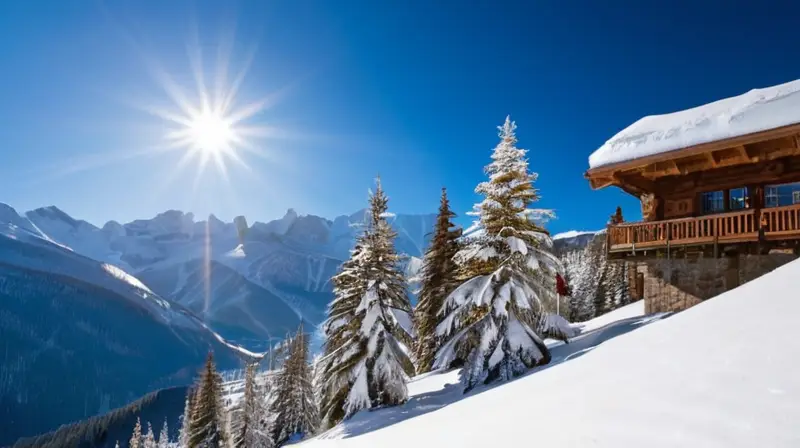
(721, 174)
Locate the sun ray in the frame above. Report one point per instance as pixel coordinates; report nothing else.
(230, 96)
(201, 169)
(193, 50)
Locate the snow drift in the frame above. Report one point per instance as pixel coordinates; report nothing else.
(754, 111)
(707, 377)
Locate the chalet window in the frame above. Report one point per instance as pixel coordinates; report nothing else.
(713, 201)
(739, 199)
(782, 195)
(771, 196)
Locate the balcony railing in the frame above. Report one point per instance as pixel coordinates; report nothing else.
(735, 227)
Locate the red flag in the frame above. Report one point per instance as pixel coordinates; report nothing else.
(561, 285)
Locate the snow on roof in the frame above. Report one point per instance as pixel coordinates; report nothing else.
(755, 111)
(720, 374)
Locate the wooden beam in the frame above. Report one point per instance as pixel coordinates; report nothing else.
(633, 183)
(783, 170)
(712, 159)
(744, 153)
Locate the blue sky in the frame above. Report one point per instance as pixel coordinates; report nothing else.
(408, 90)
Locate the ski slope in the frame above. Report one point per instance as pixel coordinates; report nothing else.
(721, 374)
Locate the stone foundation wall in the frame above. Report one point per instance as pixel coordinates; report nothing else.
(677, 284)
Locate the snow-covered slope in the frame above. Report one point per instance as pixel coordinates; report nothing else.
(721, 374)
(754, 111)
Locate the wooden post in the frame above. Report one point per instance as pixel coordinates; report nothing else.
(732, 272)
(757, 201)
(726, 200)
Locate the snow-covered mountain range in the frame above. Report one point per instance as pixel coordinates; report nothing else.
(79, 336)
(123, 309)
(252, 284)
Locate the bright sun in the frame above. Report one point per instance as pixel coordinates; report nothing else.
(211, 133)
(211, 126)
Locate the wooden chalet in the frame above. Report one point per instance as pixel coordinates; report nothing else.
(737, 194)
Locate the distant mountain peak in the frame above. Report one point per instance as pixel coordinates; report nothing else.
(574, 233)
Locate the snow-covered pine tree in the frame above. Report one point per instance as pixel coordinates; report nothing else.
(339, 329)
(136, 437)
(493, 317)
(438, 279)
(368, 363)
(186, 418)
(163, 436)
(149, 438)
(207, 425)
(615, 286)
(294, 405)
(580, 272)
(251, 429)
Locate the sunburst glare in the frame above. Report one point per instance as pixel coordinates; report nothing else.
(210, 126)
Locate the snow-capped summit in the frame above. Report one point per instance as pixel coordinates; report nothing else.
(11, 223)
(169, 223)
(278, 226)
(573, 240)
(114, 229)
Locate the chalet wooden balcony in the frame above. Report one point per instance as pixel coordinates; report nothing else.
(779, 223)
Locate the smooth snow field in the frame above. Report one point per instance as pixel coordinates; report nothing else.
(721, 374)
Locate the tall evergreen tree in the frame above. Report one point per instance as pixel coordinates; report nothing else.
(163, 436)
(149, 438)
(495, 318)
(136, 437)
(252, 427)
(340, 328)
(366, 362)
(294, 404)
(438, 279)
(207, 424)
(186, 418)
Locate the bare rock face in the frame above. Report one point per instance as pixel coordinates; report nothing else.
(241, 227)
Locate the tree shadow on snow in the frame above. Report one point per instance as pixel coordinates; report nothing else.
(368, 421)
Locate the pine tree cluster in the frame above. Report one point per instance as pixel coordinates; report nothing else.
(148, 439)
(486, 302)
(267, 416)
(598, 286)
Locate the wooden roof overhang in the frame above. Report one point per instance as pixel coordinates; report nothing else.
(759, 157)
